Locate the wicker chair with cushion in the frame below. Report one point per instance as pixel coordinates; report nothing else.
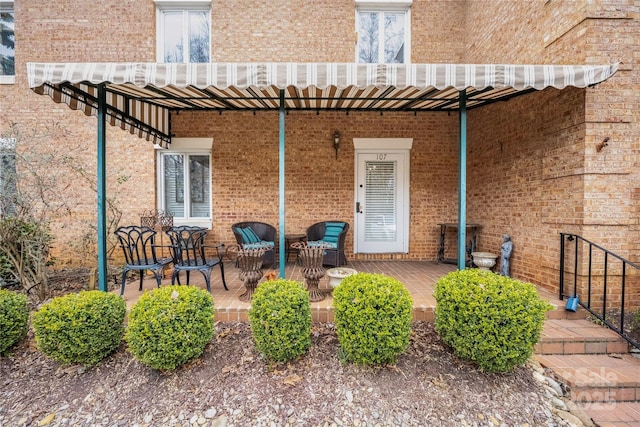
(332, 234)
(253, 235)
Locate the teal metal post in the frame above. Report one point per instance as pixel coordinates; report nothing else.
(462, 183)
(281, 186)
(102, 188)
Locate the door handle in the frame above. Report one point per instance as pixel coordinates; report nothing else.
(358, 207)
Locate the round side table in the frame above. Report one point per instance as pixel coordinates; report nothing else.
(290, 239)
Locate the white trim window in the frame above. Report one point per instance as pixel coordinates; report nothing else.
(183, 31)
(384, 32)
(184, 182)
(7, 43)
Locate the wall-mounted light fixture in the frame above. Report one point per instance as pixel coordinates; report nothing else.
(336, 142)
(603, 144)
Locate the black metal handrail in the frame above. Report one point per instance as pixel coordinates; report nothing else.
(616, 307)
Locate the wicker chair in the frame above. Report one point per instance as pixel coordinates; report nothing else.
(265, 235)
(334, 257)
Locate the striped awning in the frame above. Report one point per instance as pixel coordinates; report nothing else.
(141, 96)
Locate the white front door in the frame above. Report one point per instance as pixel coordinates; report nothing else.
(382, 201)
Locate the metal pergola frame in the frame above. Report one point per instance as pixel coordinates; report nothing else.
(142, 97)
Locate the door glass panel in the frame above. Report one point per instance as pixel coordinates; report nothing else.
(380, 201)
(174, 184)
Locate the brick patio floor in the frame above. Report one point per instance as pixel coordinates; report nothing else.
(419, 277)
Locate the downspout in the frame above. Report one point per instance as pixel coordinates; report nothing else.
(281, 185)
(462, 183)
(101, 188)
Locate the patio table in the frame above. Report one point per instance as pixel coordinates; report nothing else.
(443, 229)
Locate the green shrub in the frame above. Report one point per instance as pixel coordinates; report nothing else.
(80, 328)
(170, 326)
(14, 318)
(373, 318)
(493, 320)
(280, 318)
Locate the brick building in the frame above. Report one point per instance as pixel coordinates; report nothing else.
(534, 164)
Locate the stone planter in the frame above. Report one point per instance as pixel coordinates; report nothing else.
(337, 274)
(484, 260)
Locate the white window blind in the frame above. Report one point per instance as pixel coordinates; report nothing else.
(380, 197)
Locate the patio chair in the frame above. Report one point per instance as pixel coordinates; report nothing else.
(188, 250)
(332, 234)
(138, 245)
(254, 235)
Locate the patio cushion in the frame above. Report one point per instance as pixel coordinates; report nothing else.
(263, 244)
(332, 232)
(315, 244)
(248, 235)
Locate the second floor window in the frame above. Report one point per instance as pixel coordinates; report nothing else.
(7, 42)
(184, 35)
(383, 36)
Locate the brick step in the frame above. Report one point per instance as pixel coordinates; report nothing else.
(579, 337)
(619, 414)
(597, 377)
(561, 313)
(319, 313)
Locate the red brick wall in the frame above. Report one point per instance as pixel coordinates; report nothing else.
(547, 175)
(522, 158)
(319, 187)
(535, 156)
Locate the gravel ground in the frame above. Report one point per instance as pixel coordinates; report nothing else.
(231, 385)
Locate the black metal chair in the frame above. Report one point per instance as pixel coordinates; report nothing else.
(138, 245)
(188, 250)
(264, 237)
(329, 233)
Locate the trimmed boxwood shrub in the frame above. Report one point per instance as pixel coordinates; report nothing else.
(170, 326)
(80, 328)
(14, 318)
(493, 320)
(280, 318)
(373, 318)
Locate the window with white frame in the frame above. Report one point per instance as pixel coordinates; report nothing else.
(183, 30)
(384, 31)
(7, 42)
(8, 188)
(184, 181)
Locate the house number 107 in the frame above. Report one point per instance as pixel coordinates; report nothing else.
(381, 156)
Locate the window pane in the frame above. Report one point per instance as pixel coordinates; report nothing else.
(7, 43)
(393, 38)
(8, 189)
(174, 184)
(173, 36)
(198, 36)
(368, 37)
(200, 186)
